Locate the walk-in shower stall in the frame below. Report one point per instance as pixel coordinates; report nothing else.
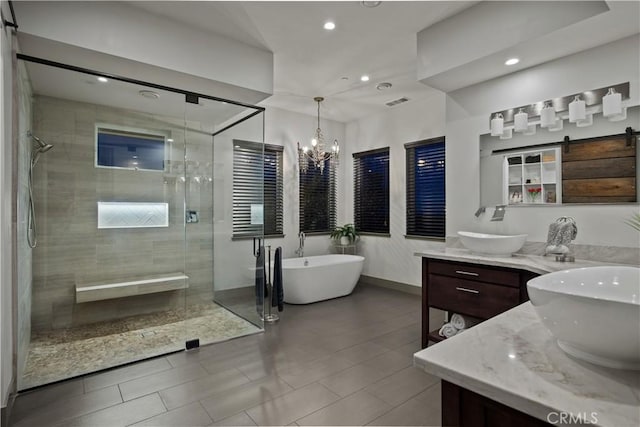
(125, 219)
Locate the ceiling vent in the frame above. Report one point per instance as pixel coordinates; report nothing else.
(396, 101)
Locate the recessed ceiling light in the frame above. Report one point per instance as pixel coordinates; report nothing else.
(511, 61)
(169, 140)
(370, 3)
(329, 25)
(103, 79)
(344, 78)
(149, 94)
(364, 78)
(383, 86)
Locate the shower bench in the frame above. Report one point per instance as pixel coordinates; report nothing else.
(139, 286)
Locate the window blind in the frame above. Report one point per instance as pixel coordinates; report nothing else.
(257, 189)
(426, 188)
(371, 191)
(318, 198)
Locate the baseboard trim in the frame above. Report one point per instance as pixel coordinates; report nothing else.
(390, 284)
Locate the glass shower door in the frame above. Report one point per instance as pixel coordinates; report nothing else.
(221, 297)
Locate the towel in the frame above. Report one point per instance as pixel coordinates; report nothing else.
(260, 281)
(462, 322)
(277, 292)
(460, 331)
(447, 330)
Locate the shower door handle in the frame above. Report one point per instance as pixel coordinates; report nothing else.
(256, 249)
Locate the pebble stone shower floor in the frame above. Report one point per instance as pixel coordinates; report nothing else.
(66, 353)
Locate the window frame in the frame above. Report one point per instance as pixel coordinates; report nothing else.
(410, 170)
(278, 150)
(356, 191)
(166, 136)
(330, 168)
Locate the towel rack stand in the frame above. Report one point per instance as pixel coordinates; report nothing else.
(269, 317)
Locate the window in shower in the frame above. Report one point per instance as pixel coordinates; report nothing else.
(127, 148)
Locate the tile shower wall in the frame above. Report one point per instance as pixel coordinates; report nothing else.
(24, 253)
(73, 250)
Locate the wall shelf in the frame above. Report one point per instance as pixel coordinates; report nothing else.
(526, 171)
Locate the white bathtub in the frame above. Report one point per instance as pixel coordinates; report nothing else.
(324, 277)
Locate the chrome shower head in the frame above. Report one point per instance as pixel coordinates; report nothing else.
(43, 147)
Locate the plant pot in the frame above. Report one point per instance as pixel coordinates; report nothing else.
(344, 240)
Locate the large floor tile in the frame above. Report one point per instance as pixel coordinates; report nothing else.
(195, 390)
(401, 386)
(292, 406)
(71, 407)
(311, 372)
(421, 410)
(241, 419)
(192, 415)
(355, 410)
(162, 380)
(362, 352)
(127, 373)
(39, 399)
(231, 402)
(120, 415)
(352, 379)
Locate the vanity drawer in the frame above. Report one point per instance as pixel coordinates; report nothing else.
(482, 300)
(474, 272)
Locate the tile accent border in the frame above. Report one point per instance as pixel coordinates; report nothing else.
(389, 284)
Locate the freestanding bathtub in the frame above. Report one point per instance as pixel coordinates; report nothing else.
(324, 277)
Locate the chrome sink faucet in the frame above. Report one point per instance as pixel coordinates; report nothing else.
(300, 250)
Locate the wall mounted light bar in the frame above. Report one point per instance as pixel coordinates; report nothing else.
(578, 108)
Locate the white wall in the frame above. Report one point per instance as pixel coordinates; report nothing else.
(6, 277)
(119, 29)
(233, 259)
(392, 258)
(468, 112)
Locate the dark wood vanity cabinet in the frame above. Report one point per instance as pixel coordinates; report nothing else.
(470, 289)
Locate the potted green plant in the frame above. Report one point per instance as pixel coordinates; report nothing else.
(347, 234)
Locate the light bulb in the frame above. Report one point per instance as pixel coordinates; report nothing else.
(497, 125)
(547, 115)
(577, 110)
(521, 121)
(314, 142)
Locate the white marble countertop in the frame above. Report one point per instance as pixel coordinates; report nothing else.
(513, 359)
(534, 263)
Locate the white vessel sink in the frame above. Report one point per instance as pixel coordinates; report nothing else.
(594, 313)
(492, 244)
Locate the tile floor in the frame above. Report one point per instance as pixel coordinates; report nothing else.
(346, 361)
